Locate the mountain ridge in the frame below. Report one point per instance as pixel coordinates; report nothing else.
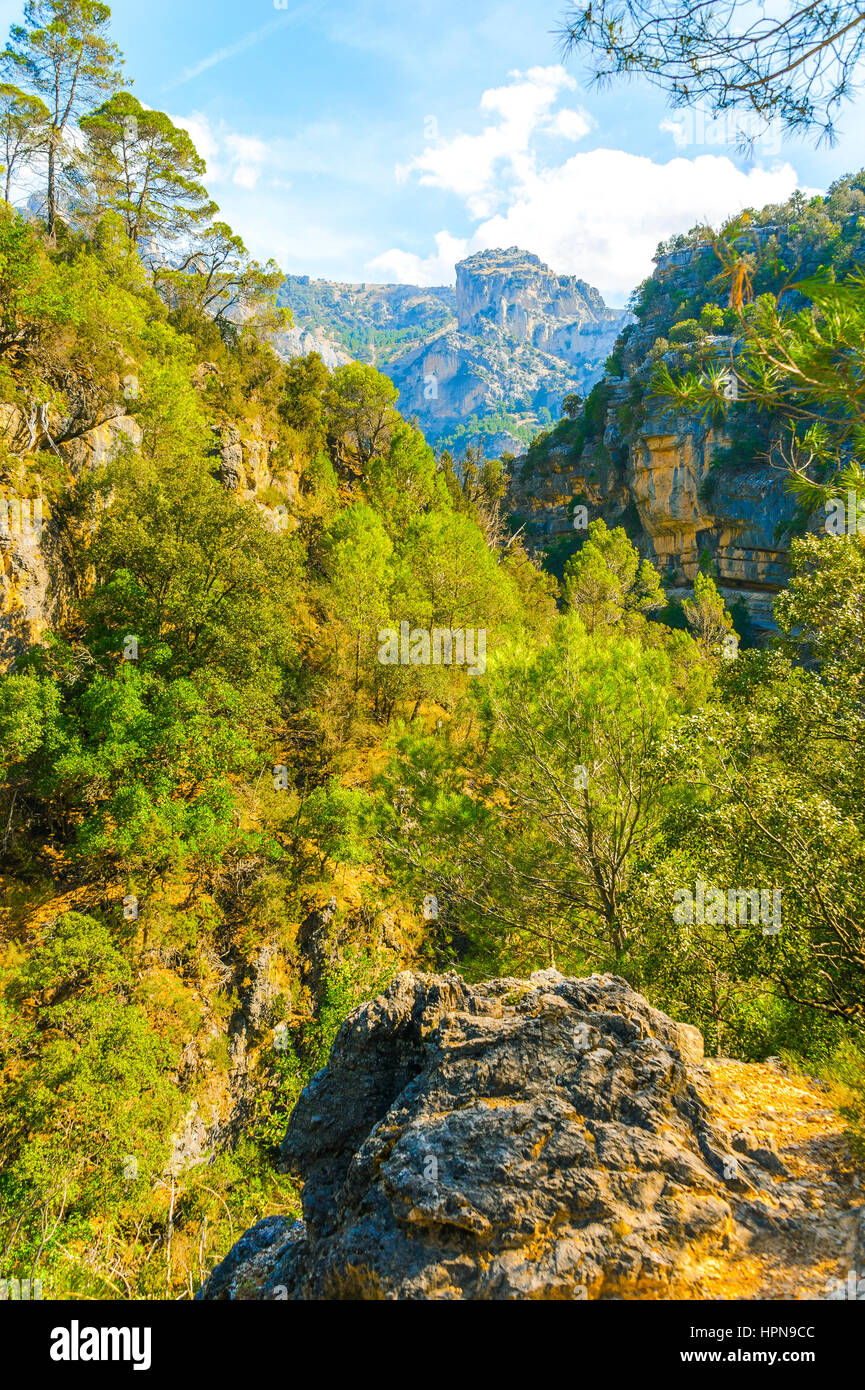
(485, 362)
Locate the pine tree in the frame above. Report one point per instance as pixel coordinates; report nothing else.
(63, 53)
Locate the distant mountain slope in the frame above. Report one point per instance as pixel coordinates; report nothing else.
(487, 362)
(368, 323)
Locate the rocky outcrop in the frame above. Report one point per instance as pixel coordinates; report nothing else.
(548, 1139)
(244, 460)
(37, 580)
(734, 517)
(528, 302)
(300, 342)
(691, 492)
(34, 585)
(659, 478)
(524, 338)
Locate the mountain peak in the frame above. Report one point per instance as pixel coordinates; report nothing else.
(513, 256)
(516, 290)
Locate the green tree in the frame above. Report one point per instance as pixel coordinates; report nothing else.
(23, 130)
(361, 408)
(88, 1090)
(777, 772)
(401, 480)
(707, 616)
(217, 276)
(359, 579)
(200, 581)
(305, 382)
(63, 52)
(138, 163)
(530, 837)
(606, 583)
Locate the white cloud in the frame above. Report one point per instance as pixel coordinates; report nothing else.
(229, 156)
(205, 138)
(406, 268)
(479, 168)
(573, 125)
(245, 175)
(600, 214)
(678, 129)
(248, 155)
(247, 147)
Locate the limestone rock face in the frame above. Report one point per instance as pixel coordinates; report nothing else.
(660, 475)
(299, 342)
(244, 460)
(660, 482)
(528, 301)
(686, 510)
(523, 339)
(27, 594)
(36, 580)
(541, 1139)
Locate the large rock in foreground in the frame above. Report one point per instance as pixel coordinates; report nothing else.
(503, 1140)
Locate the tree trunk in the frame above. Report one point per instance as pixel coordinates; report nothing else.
(52, 204)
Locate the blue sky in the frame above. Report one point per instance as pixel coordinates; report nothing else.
(379, 140)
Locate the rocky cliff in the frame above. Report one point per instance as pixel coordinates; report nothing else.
(687, 490)
(487, 363)
(516, 291)
(690, 492)
(37, 579)
(664, 478)
(550, 1139)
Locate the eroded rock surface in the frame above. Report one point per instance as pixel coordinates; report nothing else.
(541, 1139)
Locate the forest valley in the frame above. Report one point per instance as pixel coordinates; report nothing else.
(222, 835)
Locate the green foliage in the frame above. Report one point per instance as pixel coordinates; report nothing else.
(206, 745)
(87, 1096)
(136, 162)
(706, 616)
(302, 402)
(685, 331)
(606, 583)
(361, 411)
(527, 839)
(218, 278)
